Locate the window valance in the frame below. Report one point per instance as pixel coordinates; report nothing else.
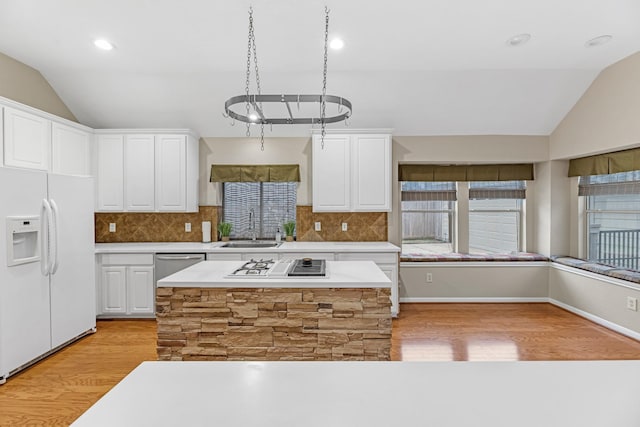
(503, 172)
(601, 164)
(255, 173)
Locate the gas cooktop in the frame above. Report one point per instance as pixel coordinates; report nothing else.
(263, 268)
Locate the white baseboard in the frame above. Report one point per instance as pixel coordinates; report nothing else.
(475, 299)
(599, 320)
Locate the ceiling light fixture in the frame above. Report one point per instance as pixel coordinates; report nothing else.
(336, 44)
(597, 41)
(518, 40)
(254, 111)
(103, 44)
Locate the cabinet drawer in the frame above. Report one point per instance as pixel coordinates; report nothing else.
(377, 257)
(127, 259)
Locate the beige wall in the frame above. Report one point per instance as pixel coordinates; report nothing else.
(606, 117)
(461, 150)
(26, 85)
(247, 151)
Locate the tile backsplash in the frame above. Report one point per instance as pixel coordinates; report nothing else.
(170, 227)
(155, 227)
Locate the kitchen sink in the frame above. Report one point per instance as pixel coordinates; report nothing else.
(251, 244)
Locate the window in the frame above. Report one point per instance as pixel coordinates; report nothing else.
(495, 212)
(257, 209)
(433, 211)
(427, 216)
(612, 207)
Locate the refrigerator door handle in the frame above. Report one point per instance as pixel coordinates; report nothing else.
(44, 237)
(56, 222)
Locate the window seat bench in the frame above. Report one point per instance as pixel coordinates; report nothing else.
(455, 257)
(594, 267)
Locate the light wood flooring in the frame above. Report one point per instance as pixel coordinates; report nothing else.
(60, 388)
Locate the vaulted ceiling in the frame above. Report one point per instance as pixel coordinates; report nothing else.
(420, 67)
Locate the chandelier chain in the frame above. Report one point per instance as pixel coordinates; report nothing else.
(323, 103)
(248, 74)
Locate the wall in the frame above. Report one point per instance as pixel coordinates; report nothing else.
(596, 296)
(489, 281)
(247, 151)
(605, 118)
(26, 85)
(461, 150)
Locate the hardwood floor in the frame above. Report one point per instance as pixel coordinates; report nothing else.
(469, 332)
(60, 388)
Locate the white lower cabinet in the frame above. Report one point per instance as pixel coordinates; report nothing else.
(126, 285)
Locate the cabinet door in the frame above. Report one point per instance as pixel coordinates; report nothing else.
(113, 281)
(110, 173)
(70, 150)
(371, 173)
(331, 174)
(171, 186)
(140, 290)
(27, 139)
(139, 172)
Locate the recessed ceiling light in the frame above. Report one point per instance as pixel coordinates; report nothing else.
(518, 40)
(253, 117)
(336, 44)
(103, 44)
(597, 41)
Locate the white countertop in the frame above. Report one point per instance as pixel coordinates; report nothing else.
(373, 394)
(340, 274)
(213, 247)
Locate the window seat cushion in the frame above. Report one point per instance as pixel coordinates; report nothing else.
(455, 257)
(594, 267)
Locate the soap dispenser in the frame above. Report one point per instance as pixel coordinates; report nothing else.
(278, 235)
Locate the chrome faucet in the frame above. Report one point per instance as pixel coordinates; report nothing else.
(252, 223)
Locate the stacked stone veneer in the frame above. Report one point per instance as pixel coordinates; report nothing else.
(273, 324)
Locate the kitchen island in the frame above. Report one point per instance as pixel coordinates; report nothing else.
(203, 314)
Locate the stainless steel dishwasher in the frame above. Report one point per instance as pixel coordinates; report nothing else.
(167, 264)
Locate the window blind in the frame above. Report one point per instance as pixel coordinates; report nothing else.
(273, 203)
(482, 190)
(428, 191)
(610, 184)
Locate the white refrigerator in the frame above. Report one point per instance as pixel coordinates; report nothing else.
(47, 264)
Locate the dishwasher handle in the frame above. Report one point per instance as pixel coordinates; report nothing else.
(178, 257)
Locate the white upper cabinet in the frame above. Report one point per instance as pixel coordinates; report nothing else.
(157, 171)
(27, 140)
(139, 172)
(371, 174)
(331, 173)
(352, 173)
(110, 173)
(171, 151)
(34, 139)
(70, 150)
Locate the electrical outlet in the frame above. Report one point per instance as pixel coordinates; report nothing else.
(344, 226)
(112, 227)
(632, 303)
(429, 278)
(187, 227)
(318, 226)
